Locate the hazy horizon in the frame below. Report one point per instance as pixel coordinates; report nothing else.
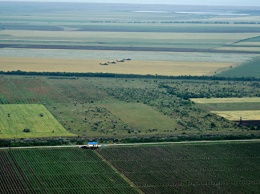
(172, 2)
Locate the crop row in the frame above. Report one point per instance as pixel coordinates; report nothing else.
(188, 168)
(60, 171)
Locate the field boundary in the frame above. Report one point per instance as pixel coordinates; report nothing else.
(119, 173)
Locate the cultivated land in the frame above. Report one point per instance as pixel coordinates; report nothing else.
(127, 67)
(187, 37)
(249, 115)
(250, 68)
(58, 171)
(224, 100)
(201, 168)
(139, 115)
(177, 168)
(18, 117)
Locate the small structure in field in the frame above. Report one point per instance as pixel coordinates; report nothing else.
(90, 145)
(93, 144)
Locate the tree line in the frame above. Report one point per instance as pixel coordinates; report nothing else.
(74, 75)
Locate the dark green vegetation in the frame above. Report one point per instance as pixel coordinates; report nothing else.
(194, 168)
(248, 69)
(88, 107)
(58, 171)
(176, 168)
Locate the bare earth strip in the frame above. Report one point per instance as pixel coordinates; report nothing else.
(129, 67)
(236, 115)
(224, 100)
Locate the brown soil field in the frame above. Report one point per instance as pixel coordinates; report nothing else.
(127, 67)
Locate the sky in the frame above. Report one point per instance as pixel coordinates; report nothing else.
(175, 2)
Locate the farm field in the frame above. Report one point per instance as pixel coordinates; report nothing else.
(119, 54)
(233, 109)
(93, 32)
(58, 171)
(40, 122)
(235, 106)
(197, 168)
(249, 68)
(240, 48)
(139, 115)
(128, 39)
(247, 115)
(225, 100)
(128, 67)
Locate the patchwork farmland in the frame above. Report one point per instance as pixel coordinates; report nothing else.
(112, 107)
(64, 80)
(244, 111)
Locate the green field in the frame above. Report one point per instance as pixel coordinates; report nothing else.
(35, 117)
(228, 104)
(250, 68)
(231, 106)
(141, 116)
(190, 168)
(58, 171)
(230, 167)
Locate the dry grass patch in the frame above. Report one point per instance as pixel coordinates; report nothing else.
(224, 100)
(236, 115)
(128, 67)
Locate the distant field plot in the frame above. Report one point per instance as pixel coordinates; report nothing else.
(248, 48)
(247, 115)
(141, 116)
(58, 171)
(236, 106)
(135, 55)
(126, 39)
(250, 68)
(128, 67)
(224, 100)
(231, 108)
(197, 168)
(16, 119)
